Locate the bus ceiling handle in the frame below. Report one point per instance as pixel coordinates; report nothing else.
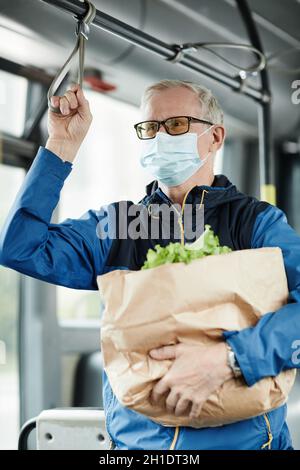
(82, 32)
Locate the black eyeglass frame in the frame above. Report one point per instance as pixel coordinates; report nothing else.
(159, 123)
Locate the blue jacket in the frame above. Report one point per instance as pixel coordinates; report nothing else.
(72, 254)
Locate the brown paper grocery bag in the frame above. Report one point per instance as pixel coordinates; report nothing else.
(190, 303)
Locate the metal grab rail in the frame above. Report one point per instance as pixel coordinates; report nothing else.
(155, 45)
(25, 432)
(82, 32)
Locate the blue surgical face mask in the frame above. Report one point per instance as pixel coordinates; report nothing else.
(172, 159)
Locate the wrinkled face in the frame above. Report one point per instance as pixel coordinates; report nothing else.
(179, 101)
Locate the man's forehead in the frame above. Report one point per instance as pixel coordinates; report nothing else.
(172, 102)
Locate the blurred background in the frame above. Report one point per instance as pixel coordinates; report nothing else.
(49, 336)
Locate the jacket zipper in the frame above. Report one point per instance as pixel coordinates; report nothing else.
(180, 218)
(180, 215)
(269, 431)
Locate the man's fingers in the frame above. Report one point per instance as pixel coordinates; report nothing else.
(80, 97)
(165, 352)
(159, 389)
(71, 97)
(64, 105)
(55, 101)
(181, 406)
(73, 100)
(196, 409)
(172, 400)
(84, 105)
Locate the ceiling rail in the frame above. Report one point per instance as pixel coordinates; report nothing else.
(152, 44)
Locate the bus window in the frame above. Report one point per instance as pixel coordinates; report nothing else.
(11, 179)
(106, 170)
(13, 91)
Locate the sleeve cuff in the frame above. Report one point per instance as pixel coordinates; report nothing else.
(49, 161)
(232, 338)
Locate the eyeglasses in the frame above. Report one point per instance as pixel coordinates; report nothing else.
(174, 126)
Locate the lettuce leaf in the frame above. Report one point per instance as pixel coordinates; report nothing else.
(207, 244)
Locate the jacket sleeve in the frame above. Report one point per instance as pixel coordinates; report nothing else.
(273, 344)
(69, 254)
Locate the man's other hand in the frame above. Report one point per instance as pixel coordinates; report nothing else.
(197, 372)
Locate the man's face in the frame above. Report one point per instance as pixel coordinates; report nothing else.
(179, 101)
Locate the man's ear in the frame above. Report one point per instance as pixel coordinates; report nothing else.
(219, 134)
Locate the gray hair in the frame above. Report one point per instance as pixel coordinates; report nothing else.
(212, 111)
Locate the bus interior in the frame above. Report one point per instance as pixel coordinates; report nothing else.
(50, 357)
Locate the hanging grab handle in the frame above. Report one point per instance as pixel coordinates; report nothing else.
(82, 32)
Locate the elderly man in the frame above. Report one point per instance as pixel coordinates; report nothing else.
(181, 131)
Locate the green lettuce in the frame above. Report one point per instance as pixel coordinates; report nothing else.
(207, 244)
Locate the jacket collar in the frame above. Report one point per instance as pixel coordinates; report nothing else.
(221, 191)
